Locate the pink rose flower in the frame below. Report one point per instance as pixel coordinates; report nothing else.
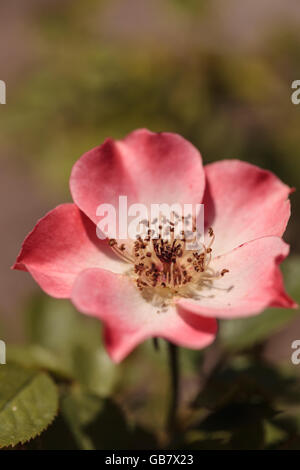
(236, 274)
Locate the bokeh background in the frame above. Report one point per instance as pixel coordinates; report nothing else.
(218, 73)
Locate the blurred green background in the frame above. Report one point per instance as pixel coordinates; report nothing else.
(218, 73)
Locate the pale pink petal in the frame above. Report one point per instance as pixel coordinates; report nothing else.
(243, 202)
(146, 167)
(129, 319)
(61, 245)
(254, 282)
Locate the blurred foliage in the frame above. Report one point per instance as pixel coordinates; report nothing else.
(244, 405)
(81, 89)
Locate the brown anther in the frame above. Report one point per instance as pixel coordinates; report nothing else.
(224, 271)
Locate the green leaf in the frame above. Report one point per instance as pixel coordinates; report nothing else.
(28, 404)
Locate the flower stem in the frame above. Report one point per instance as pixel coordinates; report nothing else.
(156, 344)
(174, 375)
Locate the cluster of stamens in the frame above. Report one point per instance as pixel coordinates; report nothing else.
(163, 266)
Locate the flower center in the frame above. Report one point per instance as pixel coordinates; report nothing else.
(164, 267)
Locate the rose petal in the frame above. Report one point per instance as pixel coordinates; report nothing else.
(61, 245)
(254, 282)
(146, 167)
(243, 202)
(129, 319)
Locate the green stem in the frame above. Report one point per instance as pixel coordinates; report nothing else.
(156, 344)
(174, 372)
